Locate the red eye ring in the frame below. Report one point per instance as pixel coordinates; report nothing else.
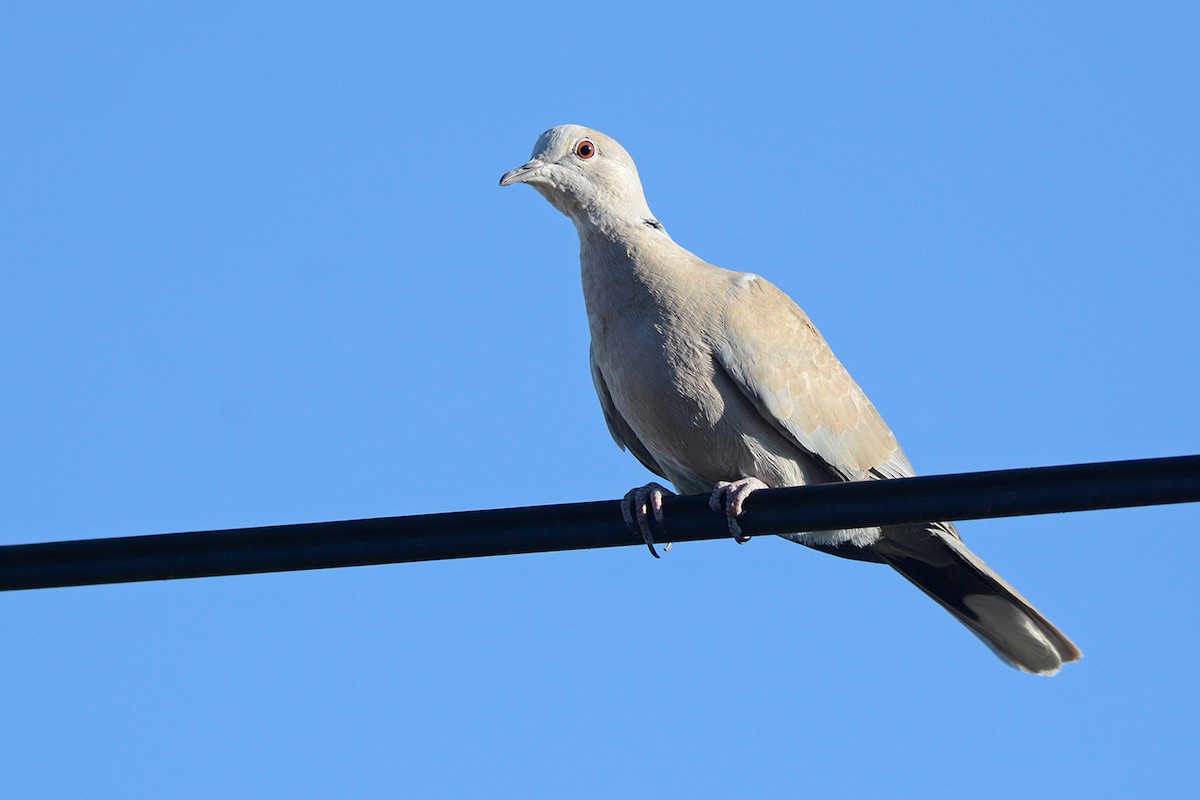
(585, 149)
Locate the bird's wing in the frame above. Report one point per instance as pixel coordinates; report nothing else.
(781, 362)
(621, 432)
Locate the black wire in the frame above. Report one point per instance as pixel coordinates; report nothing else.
(573, 526)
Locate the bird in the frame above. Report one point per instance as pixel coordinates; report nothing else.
(716, 381)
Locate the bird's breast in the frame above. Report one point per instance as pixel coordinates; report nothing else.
(659, 367)
(656, 355)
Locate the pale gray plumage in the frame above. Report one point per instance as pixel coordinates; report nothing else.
(708, 375)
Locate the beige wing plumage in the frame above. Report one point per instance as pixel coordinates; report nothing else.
(782, 363)
(621, 430)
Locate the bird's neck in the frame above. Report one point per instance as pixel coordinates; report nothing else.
(601, 229)
(627, 264)
(613, 218)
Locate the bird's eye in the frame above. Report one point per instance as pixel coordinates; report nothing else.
(585, 149)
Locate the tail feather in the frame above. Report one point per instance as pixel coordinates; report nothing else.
(935, 559)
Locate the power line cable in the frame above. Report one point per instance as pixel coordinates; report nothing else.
(574, 526)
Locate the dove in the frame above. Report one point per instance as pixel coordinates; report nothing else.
(718, 382)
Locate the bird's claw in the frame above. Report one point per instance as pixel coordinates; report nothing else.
(637, 507)
(729, 496)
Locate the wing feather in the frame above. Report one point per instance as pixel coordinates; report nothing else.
(621, 431)
(782, 363)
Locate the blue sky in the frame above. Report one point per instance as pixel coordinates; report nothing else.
(256, 269)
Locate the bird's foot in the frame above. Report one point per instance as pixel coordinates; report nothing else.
(729, 497)
(639, 505)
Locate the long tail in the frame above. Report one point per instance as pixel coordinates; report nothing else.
(935, 559)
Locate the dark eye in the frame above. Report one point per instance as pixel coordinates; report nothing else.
(585, 148)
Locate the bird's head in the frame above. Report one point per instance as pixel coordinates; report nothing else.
(585, 175)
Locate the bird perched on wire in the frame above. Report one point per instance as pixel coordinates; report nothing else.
(718, 382)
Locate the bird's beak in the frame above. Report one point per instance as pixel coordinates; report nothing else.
(522, 174)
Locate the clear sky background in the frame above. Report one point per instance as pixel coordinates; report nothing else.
(255, 269)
